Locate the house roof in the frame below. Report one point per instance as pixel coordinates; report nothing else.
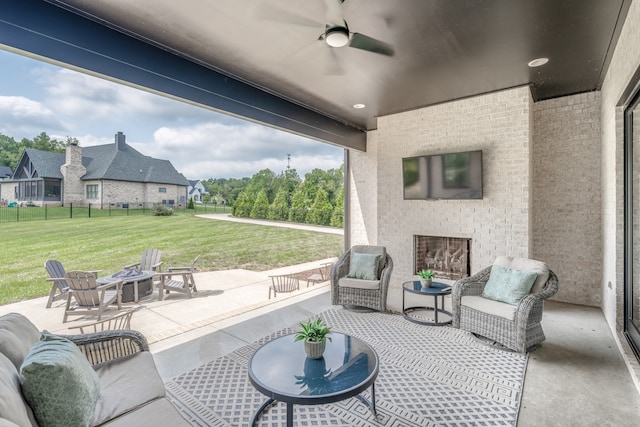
(127, 164)
(46, 163)
(111, 162)
(5, 171)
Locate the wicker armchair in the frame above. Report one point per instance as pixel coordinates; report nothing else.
(353, 292)
(515, 327)
(105, 346)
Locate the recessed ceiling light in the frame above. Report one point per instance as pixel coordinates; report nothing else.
(358, 106)
(537, 62)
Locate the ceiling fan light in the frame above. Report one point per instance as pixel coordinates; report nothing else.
(337, 36)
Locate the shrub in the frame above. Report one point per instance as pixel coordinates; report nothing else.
(191, 205)
(162, 210)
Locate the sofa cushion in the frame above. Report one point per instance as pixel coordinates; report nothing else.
(346, 282)
(13, 407)
(59, 383)
(364, 266)
(17, 335)
(507, 285)
(158, 413)
(526, 264)
(490, 306)
(127, 384)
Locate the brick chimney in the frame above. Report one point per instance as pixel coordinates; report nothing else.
(72, 172)
(120, 141)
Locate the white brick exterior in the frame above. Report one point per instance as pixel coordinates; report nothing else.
(567, 224)
(500, 125)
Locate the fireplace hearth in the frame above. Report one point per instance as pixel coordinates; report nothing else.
(448, 257)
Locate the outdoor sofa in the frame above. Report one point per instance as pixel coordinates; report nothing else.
(119, 386)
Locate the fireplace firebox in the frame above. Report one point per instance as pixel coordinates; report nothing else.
(448, 257)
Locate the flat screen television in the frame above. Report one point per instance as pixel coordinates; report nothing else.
(454, 176)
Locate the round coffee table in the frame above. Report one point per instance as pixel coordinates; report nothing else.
(281, 370)
(437, 289)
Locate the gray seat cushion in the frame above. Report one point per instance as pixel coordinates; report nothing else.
(126, 385)
(347, 282)
(158, 413)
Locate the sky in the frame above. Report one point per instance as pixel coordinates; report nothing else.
(38, 97)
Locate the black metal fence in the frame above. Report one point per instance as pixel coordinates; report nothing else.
(19, 213)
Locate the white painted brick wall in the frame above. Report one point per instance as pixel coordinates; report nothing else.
(497, 123)
(567, 208)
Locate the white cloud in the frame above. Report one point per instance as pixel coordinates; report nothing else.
(22, 117)
(216, 150)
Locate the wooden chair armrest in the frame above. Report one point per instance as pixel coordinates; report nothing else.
(130, 266)
(118, 284)
(170, 269)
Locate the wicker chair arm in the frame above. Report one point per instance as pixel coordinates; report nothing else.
(472, 285)
(338, 270)
(101, 347)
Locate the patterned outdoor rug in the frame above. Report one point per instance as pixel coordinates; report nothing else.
(429, 376)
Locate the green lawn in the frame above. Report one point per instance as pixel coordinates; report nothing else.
(110, 243)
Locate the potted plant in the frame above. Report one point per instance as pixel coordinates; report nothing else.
(315, 335)
(426, 276)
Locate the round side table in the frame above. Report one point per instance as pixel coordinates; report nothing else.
(437, 289)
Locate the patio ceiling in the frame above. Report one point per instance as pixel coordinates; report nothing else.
(263, 60)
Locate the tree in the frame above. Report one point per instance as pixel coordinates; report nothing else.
(279, 209)
(262, 180)
(298, 212)
(261, 205)
(191, 205)
(337, 218)
(321, 210)
(243, 205)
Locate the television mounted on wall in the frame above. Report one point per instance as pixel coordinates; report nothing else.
(450, 176)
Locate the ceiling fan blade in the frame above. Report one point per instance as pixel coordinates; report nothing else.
(360, 41)
(271, 13)
(332, 63)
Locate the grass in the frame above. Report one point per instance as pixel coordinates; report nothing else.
(110, 243)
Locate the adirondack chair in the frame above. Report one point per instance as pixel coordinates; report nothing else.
(56, 271)
(149, 260)
(90, 298)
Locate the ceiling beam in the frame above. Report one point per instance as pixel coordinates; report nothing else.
(48, 31)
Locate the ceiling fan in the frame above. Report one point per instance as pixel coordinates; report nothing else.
(339, 36)
(334, 35)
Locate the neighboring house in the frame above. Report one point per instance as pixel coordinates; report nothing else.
(103, 175)
(5, 172)
(197, 190)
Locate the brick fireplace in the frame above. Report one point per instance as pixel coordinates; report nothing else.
(448, 257)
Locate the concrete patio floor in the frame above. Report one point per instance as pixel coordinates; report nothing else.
(577, 378)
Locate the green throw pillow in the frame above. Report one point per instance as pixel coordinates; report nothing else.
(364, 266)
(59, 383)
(507, 285)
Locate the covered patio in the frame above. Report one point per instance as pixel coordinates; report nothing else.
(554, 140)
(577, 377)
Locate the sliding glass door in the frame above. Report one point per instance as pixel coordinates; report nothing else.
(632, 221)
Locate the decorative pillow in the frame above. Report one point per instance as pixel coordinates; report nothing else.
(507, 285)
(364, 266)
(59, 383)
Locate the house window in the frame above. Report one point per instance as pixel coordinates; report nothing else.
(162, 190)
(92, 191)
